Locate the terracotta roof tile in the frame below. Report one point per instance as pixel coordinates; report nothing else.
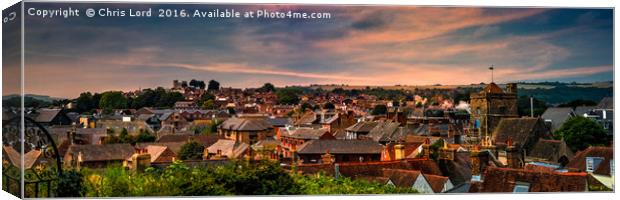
(505, 179)
(579, 161)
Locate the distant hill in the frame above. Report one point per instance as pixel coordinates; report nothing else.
(34, 96)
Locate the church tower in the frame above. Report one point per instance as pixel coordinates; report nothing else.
(489, 106)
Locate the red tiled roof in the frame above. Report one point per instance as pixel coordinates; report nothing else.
(505, 179)
(402, 178)
(436, 182)
(538, 168)
(579, 161)
(492, 88)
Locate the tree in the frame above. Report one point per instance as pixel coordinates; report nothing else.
(70, 184)
(197, 84)
(113, 100)
(204, 98)
(578, 102)
(85, 102)
(268, 87)
(124, 137)
(289, 95)
(379, 110)
(579, 133)
(191, 151)
(145, 136)
(213, 86)
(523, 104)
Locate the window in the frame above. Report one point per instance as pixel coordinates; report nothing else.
(592, 163)
(611, 167)
(521, 187)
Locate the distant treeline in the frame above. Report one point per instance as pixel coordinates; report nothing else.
(563, 94)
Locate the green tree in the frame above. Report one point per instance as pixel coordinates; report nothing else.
(85, 102)
(145, 136)
(113, 100)
(207, 101)
(578, 102)
(379, 110)
(524, 105)
(124, 137)
(579, 133)
(191, 151)
(267, 87)
(289, 95)
(197, 84)
(213, 86)
(71, 184)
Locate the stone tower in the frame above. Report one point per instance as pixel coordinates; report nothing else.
(490, 105)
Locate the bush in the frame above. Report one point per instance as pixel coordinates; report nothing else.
(235, 178)
(191, 151)
(70, 184)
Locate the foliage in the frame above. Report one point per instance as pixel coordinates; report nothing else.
(261, 178)
(578, 102)
(561, 93)
(70, 184)
(379, 110)
(191, 151)
(268, 87)
(197, 84)
(579, 133)
(234, 178)
(145, 136)
(322, 184)
(113, 100)
(86, 103)
(434, 149)
(523, 103)
(289, 95)
(213, 86)
(124, 136)
(207, 101)
(158, 97)
(29, 102)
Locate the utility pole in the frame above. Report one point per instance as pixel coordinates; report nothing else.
(531, 106)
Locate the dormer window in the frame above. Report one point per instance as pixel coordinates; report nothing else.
(592, 163)
(521, 187)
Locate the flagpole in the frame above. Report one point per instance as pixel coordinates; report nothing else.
(492, 78)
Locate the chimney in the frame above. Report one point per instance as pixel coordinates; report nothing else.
(446, 152)
(487, 145)
(399, 151)
(140, 160)
(513, 155)
(426, 148)
(205, 154)
(474, 156)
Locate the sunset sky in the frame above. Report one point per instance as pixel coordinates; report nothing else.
(357, 46)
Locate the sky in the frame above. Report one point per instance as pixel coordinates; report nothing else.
(358, 45)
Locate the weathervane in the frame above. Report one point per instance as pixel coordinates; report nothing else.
(491, 68)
